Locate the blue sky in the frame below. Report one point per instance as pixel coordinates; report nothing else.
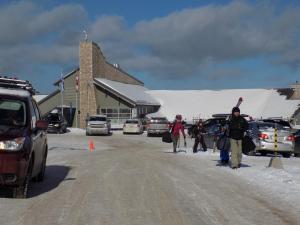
(170, 44)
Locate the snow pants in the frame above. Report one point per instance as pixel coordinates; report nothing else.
(197, 141)
(224, 155)
(236, 152)
(175, 142)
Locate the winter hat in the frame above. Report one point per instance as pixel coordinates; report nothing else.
(236, 109)
(178, 117)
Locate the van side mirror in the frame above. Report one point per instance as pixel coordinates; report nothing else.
(42, 125)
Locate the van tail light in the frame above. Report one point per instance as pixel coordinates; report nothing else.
(263, 136)
(291, 138)
(138, 126)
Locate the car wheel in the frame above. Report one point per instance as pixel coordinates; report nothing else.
(148, 135)
(296, 154)
(40, 177)
(22, 191)
(286, 154)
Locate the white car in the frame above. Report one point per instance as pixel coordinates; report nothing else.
(133, 126)
(98, 124)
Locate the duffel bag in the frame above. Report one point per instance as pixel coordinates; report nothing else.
(248, 145)
(166, 137)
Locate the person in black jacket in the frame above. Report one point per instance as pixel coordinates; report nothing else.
(198, 133)
(237, 128)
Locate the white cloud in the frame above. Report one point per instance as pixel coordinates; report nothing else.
(180, 43)
(170, 47)
(31, 35)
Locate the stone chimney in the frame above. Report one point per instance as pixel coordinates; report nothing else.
(296, 89)
(92, 64)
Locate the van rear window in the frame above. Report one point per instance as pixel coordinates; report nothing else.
(12, 113)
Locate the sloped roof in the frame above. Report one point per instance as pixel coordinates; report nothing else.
(204, 103)
(39, 98)
(134, 94)
(66, 76)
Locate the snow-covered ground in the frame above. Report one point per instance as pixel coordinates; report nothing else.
(284, 184)
(203, 103)
(131, 179)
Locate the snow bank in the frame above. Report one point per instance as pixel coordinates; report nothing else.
(203, 103)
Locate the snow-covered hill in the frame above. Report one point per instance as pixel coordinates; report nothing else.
(203, 103)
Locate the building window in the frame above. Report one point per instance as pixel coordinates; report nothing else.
(117, 115)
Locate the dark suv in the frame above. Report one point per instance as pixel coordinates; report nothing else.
(23, 140)
(57, 122)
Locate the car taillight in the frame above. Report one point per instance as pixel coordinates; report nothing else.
(263, 136)
(291, 138)
(139, 125)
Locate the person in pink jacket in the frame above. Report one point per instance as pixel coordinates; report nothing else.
(177, 127)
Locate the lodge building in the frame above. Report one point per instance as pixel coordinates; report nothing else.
(103, 88)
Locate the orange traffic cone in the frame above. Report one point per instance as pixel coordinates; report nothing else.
(91, 146)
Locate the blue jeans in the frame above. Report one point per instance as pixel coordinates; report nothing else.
(224, 155)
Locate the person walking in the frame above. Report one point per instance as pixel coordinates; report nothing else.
(198, 132)
(177, 127)
(237, 128)
(223, 143)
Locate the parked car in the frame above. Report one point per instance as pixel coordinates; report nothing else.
(157, 125)
(23, 137)
(263, 137)
(98, 124)
(133, 126)
(57, 123)
(261, 133)
(297, 144)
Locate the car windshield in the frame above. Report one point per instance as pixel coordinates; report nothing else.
(12, 113)
(53, 117)
(97, 118)
(132, 121)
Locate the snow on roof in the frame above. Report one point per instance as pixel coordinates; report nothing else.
(135, 93)
(14, 92)
(39, 98)
(203, 103)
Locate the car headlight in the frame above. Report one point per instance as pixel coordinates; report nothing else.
(105, 125)
(88, 123)
(12, 145)
(56, 125)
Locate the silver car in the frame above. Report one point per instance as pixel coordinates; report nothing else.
(157, 125)
(98, 124)
(263, 136)
(133, 126)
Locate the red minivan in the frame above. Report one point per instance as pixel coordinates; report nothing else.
(23, 138)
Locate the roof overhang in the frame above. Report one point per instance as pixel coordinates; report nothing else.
(119, 95)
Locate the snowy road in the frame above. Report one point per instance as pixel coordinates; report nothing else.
(135, 180)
